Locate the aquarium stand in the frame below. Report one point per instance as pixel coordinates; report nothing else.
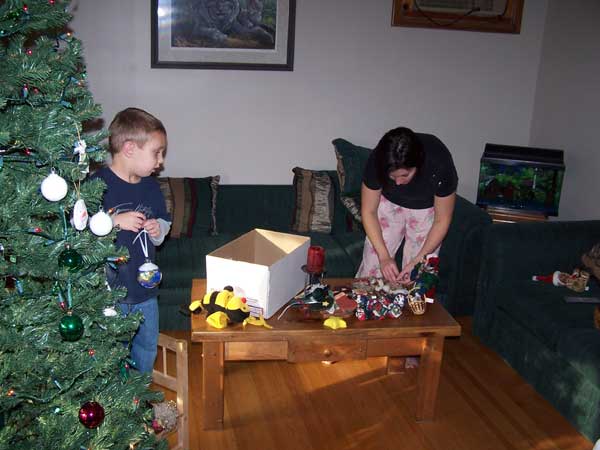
(507, 215)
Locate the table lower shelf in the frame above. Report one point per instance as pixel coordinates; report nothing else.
(428, 346)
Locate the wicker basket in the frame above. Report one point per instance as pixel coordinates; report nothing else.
(417, 304)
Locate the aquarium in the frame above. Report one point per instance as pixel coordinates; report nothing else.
(524, 179)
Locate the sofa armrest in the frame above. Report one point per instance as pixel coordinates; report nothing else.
(513, 253)
(459, 253)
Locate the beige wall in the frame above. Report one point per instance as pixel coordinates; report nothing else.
(568, 99)
(355, 77)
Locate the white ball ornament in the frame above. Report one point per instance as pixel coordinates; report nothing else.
(101, 223)
(54, 187)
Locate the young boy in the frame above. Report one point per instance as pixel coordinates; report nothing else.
(137, 144)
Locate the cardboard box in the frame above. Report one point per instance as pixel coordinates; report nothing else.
(263, 266)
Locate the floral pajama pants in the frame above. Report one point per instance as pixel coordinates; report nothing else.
(397, 223)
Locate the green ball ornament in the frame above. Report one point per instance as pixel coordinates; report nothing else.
(71, 259)
(71, 327)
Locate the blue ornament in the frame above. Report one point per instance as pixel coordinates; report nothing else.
(149, 275)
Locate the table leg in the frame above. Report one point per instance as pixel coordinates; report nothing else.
(213, 361)
(429, 377)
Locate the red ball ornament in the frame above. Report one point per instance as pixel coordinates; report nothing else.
(25, 8)
(10, 283)
(29, 52)
(91, 414)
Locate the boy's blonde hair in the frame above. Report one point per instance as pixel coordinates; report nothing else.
(132, 124)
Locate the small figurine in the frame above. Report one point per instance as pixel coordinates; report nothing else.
(577, 281)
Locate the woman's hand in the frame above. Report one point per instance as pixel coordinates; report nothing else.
(404, 276)
(131, 221)
(152, 227)
(389, 269)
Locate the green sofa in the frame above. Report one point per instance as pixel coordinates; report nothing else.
(551, 343)
(241, 208)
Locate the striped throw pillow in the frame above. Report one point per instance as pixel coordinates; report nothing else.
(313, 209)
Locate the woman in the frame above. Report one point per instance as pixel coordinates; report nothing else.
(408, 192)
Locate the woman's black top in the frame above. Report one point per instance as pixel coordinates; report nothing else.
(436, 177)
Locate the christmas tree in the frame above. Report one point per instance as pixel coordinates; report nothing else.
(65, 378)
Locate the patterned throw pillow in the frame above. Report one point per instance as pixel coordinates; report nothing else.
(351, 162)
(352, 204)
(192, 203)
(313, 209)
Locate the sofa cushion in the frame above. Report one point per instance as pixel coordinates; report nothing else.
(184, 259)
(351, 162)
(313, 203)
(180, 205)
(352, 204)
(337, 262)
(541, 308)
(245, 207)
(581, 347)
(352, 243)
(205, 191)
(191, 203)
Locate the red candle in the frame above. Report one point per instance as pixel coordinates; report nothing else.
(316, 259)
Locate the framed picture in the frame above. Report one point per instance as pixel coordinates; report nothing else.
(500, 16)
(223, 34)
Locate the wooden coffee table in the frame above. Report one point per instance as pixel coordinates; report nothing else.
(301, 340)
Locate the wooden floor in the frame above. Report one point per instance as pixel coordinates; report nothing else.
(482, 405)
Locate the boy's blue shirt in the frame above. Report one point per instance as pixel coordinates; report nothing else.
(147, 198)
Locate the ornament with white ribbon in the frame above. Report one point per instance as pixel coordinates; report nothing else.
(101, 223)
(149, 275)
(79, 149)
(54, 187)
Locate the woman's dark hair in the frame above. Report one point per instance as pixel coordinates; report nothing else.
(398, 149)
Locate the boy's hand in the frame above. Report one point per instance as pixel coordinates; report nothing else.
(152, 227)
(131, 221)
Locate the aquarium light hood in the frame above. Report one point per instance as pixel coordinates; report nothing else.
(510, 154)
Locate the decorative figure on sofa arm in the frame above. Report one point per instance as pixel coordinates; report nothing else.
(577, 281)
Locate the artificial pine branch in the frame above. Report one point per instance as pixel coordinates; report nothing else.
(45, 106)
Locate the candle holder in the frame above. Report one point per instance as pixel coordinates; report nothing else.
(315, 265)
(312, 277)
(315, 260)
